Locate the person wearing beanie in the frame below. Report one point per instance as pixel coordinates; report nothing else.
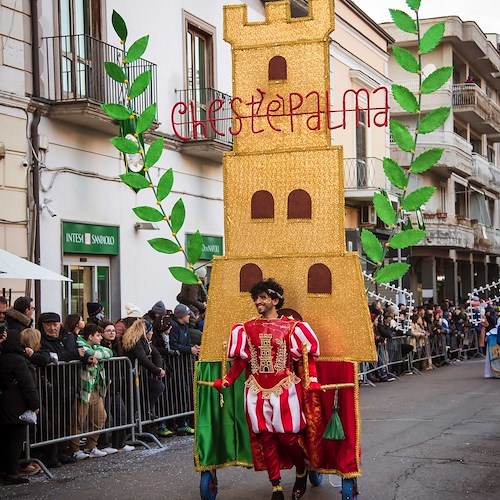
(182, 341)
(95, 311)
(132, 311)
(184, 338)
(157, 311)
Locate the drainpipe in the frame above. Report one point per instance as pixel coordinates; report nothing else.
(35, 62)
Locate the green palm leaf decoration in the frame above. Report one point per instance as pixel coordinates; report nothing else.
(395, 210)
(139, 158)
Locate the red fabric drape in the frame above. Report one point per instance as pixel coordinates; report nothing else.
(339, 456)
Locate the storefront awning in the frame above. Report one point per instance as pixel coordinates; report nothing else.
(14, 267)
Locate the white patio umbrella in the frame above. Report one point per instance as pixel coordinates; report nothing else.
(14, 267)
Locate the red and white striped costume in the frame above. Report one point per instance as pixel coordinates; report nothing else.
(273, 392)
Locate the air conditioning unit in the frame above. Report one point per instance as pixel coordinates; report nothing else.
(368, 215)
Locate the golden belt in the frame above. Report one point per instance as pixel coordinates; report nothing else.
(255, 388)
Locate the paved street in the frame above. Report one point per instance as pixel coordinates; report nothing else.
(434, 436)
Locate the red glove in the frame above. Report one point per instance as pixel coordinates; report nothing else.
(314, 386)
(220, 384)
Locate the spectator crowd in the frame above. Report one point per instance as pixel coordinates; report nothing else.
(97, 398)
(432, 335)
(436, 334)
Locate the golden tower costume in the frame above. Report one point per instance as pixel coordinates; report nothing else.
(284, 217)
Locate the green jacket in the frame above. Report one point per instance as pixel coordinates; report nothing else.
(93, 377)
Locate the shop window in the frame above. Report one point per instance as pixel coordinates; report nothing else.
(277, 68)
(319, 279)
(299, 205)
(249, 275)
(262, 206)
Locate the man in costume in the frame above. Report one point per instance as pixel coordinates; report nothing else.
(268, 347)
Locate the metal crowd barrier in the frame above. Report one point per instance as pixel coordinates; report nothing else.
(58, 388)
(426, 351)
(175, 401)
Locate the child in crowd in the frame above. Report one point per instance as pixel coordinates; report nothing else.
(92, 391)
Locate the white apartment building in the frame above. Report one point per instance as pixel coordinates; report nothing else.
(63, 204)
(462, 250)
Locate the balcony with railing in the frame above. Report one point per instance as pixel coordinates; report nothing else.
(457, 154)
(486, 239)
(202, 120)
(459, 232)
(475, 107)
(447, 231)
(75, 82)
(363, 176)
(481, 172)
(442, 97)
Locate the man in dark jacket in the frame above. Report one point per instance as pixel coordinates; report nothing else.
(61, 346)
(179, 335)
(60, 343)
(180, 340)
(20, 316)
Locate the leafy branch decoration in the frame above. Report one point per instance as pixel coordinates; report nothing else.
(403, 234)
(138, 160)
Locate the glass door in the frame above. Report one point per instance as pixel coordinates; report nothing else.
(89, 283)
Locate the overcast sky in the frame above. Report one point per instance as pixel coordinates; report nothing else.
(486, 13)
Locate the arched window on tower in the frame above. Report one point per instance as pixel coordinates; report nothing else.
(262, 206)
(319, 279)
(249, 275)
(277, 68)
(299, 205)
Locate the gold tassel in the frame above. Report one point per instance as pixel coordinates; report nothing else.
(223, 370)
(305, 361)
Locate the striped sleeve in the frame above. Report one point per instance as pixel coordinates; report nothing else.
(238, 346)
(303, 334)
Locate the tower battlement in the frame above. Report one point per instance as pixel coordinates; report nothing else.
(279, 26)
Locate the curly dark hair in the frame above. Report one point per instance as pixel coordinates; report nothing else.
(271, 288)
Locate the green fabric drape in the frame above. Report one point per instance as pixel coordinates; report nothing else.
(222, 436)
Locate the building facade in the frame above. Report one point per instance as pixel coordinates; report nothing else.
(462, 249)
(63, 204)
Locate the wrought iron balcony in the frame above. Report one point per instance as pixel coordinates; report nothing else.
(363, 173)
(202, 119)
(75, 80)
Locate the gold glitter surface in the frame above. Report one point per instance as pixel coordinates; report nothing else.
(319, 172)
(279, 27)
(303, 77)
(280, 162)
(341, 320)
